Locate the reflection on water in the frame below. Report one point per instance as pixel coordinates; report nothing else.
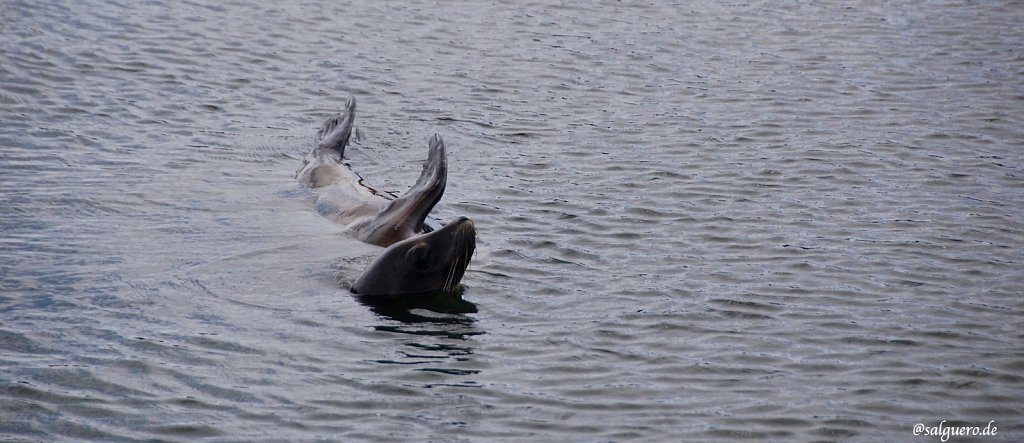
(404, 307)
(765, 221)
(433, 342)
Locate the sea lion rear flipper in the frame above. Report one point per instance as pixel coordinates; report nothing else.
(335, 132)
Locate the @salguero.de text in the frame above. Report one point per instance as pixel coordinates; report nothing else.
(945, 432)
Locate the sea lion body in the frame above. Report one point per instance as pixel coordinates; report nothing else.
(420, 256)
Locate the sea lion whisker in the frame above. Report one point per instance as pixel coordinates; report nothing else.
(455, 267)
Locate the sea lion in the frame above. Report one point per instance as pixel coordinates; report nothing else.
(420, 256)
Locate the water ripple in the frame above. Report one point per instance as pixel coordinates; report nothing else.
(761, 221)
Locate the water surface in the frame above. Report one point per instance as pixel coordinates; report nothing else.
(763, 221)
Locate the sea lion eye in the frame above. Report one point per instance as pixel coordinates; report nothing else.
(423, 258)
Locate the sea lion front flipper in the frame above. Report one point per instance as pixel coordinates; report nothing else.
(403, 216)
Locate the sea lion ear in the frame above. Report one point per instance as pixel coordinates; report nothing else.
(419, 255)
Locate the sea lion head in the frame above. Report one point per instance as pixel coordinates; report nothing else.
(428, 263)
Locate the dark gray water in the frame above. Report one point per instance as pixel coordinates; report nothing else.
(763, 221)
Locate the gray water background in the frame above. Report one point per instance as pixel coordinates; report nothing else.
(703, 221)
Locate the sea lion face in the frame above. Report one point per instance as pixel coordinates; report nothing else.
(433, 262)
